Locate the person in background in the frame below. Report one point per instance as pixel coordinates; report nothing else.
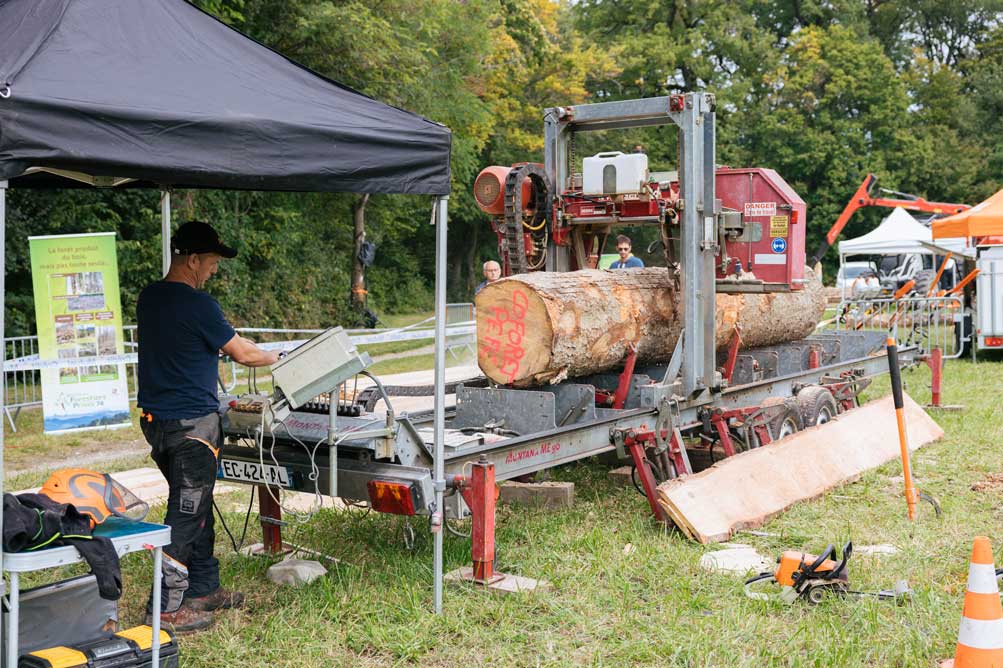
(627, 259)
(492, 272)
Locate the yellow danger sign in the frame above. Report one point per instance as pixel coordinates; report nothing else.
(779, 226)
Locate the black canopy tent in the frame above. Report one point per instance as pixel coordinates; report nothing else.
(158, 94)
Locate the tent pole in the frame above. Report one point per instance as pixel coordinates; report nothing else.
(3, 342)
(439, 476)
(165, 229)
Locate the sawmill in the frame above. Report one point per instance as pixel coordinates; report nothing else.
(672, 367)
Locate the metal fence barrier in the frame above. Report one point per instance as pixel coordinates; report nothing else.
(22, 365)
(924, 322)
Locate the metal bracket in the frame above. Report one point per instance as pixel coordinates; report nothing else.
(663, 424)
(618, 436)
(675, 362)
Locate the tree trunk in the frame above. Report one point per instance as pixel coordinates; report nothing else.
(358, 296)
(543, 327)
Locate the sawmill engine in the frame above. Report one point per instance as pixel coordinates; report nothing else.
(760, 221)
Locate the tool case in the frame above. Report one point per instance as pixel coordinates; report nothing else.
(132, 648)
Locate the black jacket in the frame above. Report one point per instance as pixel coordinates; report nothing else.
(34, 521)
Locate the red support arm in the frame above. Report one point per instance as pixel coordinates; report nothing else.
(480, 493)
(624, 383)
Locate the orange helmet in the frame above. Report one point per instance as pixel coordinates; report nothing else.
(94, 494)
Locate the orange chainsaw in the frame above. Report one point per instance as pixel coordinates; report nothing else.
(813, 578)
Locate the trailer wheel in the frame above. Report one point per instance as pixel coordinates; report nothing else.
(817, 405)
(787, 422)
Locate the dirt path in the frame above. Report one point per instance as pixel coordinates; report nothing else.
(87, 455)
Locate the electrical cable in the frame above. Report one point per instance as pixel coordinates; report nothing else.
(537, 228)
(458, 534)
(299, 516)
(243, 533)
(543, 255)
(379, 384)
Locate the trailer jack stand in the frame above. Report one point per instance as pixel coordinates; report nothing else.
(935, 360)
(270, 516)
(481, 494)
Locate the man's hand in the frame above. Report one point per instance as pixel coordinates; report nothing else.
(243, 351)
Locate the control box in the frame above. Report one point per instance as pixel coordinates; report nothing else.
(320, 365)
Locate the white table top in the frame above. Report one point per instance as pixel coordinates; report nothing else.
(125, 535)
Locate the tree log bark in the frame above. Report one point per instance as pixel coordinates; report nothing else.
(545, 326)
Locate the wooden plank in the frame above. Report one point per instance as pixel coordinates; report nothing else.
(762, 483)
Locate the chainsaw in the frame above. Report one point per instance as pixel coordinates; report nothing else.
(813, 578)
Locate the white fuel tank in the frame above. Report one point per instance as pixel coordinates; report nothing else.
(614, 173)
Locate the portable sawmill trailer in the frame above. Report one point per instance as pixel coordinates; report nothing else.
(660, 416)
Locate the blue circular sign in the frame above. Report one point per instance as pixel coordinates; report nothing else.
(778, 245)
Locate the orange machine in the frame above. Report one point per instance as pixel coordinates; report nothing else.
(812, 578)
(863, 198)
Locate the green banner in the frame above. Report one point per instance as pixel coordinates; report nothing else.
(79, 316)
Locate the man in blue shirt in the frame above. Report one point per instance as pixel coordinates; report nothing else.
(181, 331)
(627, 260)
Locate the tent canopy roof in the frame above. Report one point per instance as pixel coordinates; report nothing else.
(982, 220)
(165, 94)
(899, 233)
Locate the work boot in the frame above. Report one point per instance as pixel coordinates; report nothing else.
(183, 620)
(221, 599)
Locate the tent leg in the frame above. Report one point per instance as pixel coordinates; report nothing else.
(165, 229)
(438, 478)
(3, 344)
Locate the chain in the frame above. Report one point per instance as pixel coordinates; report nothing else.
(571, 160)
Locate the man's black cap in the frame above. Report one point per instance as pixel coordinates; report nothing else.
(198, 237)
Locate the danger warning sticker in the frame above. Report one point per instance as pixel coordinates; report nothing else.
(760, 208)
(779, 226)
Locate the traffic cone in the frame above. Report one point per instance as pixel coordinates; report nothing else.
(980, 639)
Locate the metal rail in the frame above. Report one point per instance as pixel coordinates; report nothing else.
(546, 448)
(926, 323)
(23, 386)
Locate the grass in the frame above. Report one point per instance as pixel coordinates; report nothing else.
(649, 604)
(394, 320)
(418, 363)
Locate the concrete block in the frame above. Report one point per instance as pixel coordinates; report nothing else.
(296, 572)
(504, 584)
(621, 476)
(738, 559)
(542, 494)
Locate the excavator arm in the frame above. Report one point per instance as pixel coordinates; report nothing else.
(863, 198)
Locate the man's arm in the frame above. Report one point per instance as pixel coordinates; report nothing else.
(245, 352)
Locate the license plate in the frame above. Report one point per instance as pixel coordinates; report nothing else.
(264, 474)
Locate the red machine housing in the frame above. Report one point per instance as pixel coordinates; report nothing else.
(489, 189)
(765, 201)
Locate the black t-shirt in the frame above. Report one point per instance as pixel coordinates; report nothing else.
(181, 330)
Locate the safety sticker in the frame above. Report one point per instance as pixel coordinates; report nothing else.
(778, 245)
(779, 226)
(760, 208)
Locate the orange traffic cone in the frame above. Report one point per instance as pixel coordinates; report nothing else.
(980, 639)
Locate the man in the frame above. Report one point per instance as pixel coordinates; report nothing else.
(492, 272)
(627, 260)
(182, 330)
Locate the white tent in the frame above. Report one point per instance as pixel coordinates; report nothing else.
(899, 234)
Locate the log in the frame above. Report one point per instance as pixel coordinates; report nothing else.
(546, 326)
